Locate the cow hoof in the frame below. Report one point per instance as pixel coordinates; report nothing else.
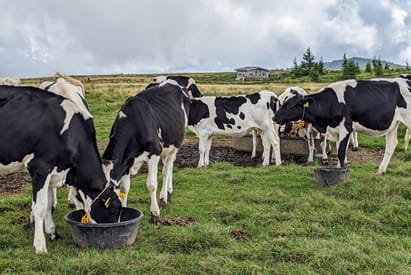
(41, 251)
(163, 203)
(155, 219)
(355, 149)
(169, 197)
(379, 173)
(71, 205)
(53, 236)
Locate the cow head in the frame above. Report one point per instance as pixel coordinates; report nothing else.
(106, 207)
(293, 109)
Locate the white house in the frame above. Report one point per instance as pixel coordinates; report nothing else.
(252, 73)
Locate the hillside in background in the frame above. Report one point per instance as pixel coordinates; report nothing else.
(337, 64)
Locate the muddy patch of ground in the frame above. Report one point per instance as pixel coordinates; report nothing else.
(188, 156)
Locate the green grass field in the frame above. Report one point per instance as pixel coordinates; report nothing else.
(292, 225)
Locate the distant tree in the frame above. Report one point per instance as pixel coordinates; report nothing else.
(315, 72)
(357, 68)
(378, 70)
(368, 67)
(320, 66)
(349, 68)
(296, 71)
(307, 62)
(406, 64)
(387, 67)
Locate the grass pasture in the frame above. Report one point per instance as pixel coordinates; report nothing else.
(263, 220)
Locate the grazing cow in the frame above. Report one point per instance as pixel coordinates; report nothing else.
(72, 89)
(373, 107)
(149, 126)
(307, 131)
(235, 116)
(182, 81)
(55, 141)
(10, 81)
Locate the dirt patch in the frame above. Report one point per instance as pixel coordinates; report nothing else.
(15, 183)
(188, 156)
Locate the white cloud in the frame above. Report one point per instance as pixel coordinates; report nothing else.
(39, 37)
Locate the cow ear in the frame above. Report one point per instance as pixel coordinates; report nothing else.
(195, 92)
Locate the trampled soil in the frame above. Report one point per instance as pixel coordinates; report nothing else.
(187, 157)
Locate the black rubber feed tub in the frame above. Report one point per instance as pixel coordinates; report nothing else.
(105, 235)
(331, 176)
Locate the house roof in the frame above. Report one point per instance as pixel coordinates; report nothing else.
(250, 68)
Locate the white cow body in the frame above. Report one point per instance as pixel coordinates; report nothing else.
(235, 116)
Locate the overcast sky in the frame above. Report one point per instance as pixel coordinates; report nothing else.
(39, 37)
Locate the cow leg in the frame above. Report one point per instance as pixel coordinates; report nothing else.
(266, 148)
(54, 198)
(342, 144)
(391, 141)
(311, 147)
(167, 187)
(253, 153)
(152, 187)
(125, 183)
(274, 141)
(39, 208)
(209, 141)
(354, 141)
(323, 145)
(407, 138)
(202, 150)
(50, 226)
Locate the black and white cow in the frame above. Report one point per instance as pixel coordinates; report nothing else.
(235, 116)
(307, 131)
(183, 81)
(55, 141)
(72, 89)
(149, 126)
(373, 107)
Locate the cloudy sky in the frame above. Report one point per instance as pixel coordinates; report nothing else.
(40, 37)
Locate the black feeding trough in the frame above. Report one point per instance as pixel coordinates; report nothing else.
(331, 176)
(105, 235)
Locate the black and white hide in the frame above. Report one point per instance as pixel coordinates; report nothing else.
(372, 107)
(149, 126)
(235, 116)
(55, 141)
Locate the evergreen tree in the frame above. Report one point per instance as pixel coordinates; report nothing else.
(315, 72)
(307, 62)
(296, 71)
(387, 67)
(321, 66)
(357, 68)
(378, 68)
(368, 67)
(349, 68)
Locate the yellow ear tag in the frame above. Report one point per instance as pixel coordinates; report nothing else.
(107, 203)
(122, 195)
(86, 218)
(306, 104)
(300, 124)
